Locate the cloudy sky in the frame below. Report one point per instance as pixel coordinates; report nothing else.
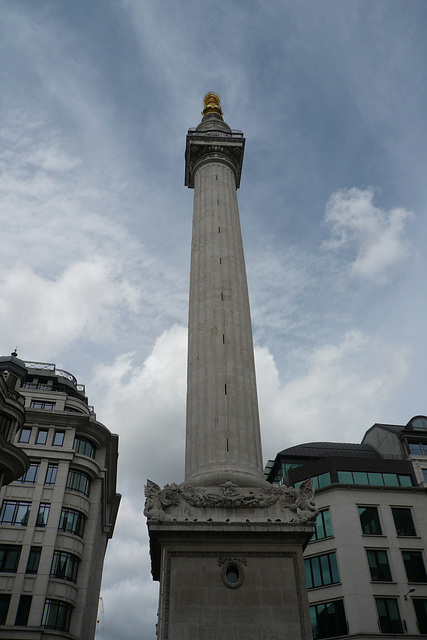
(95, 222)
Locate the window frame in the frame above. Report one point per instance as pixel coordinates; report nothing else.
(87, 444)
(17, 505)
(376, 552)
(325, 525)
(23, 611)
(422, 625)
(64, 566)
(9, 550)
(340, 626)
(370, 506)
(34, 560)
(78, 481)
(56, 614)
(57, 433)
(35, 468)
(387, 617)
(52, 470)
(39, 441)
(25, 430)
(318, 567)
(418, 563)
(394, 511)
(4, 606)
(69, 526)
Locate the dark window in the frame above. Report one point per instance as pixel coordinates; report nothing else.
(51, 472)
(78, 481)
(25, 435)
(43, 514)
(328, 619)
(417, 448)
(30, 476)
(23, 611)
(15, 512)
(4, 607)
(56, 615)
(388, 615)
(58, 439)
(414, 565)
(72, 521)
(321, 570)
(41, 404)
(9, 557)
(84, 446)
(323, 526)
(378, 565)
(64, 565)
(42, 436)
(323, 480)
(374, 478)
(403, 521)
(370, 521)
(420, 607)
(419, 424)
(33, 559)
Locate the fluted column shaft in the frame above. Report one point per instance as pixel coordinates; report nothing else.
(223, 434)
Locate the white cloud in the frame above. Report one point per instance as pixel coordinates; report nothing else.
(88, 299)
(376, 236)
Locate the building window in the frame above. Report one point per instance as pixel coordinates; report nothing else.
(84, 447)
(403, 521)
(25, 435)
(375, 478)
(42, 436)
(414, 565)
(33, 560)
(388, 615)
(417, 448)
(30, 476)
(78, 481)
(323, 526)
(56, 615)
(52, 470)
(72, 521)
(370, 521)
(41, 404)
(378, 565)
(4, 606)
(328, 619)
(321, 570)
(64, 566)
(323, 480)
(420, 607)
(424, 474)
(23, 611)
(58, 439)
(15, 512)
(419, 424)
(43, 514)
(9, 557)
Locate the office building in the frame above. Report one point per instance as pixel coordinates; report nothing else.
(366, 563)
(57, 518)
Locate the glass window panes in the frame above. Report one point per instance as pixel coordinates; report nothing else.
(414, 565)
(4, 606)
(424, 474)
(417, 448)
(15, 512)
(43, 514)
(72, 521)
(323, 526)
(420, 424)
(58, 439)
(51, 472)
(84, 447)
(374, 478)
(25, 435)
(33, 560)
(328, 620)
(41, 404)
(388, 615)
(9, 557)
(378, 565)
(30, 476)
(64, 566)
(370, 521)
(403, 520)
(42, 436)
(23, 611)
(78, 481)
(420, 606)
(56, 615)
(321, 570)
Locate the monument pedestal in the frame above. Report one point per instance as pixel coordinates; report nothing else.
(232, 568)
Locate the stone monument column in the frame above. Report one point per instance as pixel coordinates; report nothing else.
(225, 545)
(223, 436)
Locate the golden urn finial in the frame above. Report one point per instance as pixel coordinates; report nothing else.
(211, 103)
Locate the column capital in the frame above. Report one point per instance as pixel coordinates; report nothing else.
(201, 149)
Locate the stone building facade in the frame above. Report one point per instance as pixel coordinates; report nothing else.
(366, 563)
(57, 518)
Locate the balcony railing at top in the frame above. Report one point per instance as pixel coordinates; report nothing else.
(235, 133)
(47, 366)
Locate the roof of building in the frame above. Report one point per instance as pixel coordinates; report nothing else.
(331, 449)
